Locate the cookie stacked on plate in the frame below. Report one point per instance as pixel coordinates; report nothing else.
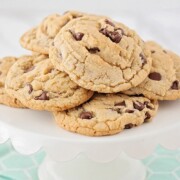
(96, 75)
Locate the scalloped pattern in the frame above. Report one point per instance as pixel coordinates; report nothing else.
(13, 165)
(27, 144)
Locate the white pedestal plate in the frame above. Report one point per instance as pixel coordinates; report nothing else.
(75, 157)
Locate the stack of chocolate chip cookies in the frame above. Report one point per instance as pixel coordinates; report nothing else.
(96, 76)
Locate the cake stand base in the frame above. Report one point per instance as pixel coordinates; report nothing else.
(82, 168)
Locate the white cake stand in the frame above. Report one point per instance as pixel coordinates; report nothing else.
(76, 157)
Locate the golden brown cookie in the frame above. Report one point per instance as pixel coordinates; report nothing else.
(163, 81)
(38, 85)
(41, 37)
(100, 54)
(5, 65)
(107, 114)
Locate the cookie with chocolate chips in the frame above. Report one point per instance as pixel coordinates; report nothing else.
(163, 82)
(39, 39)
(5, 65)
(100, 54)
(34, 81)
(107, 114)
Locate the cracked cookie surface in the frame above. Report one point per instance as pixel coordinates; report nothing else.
(34, 81)
(41, 37)
(5, 65)
(163, 81)
(107, 114)
(101, 55)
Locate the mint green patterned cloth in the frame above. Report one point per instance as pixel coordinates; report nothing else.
(161, 165)
(14, 166)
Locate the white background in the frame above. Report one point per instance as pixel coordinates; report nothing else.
(153, 19)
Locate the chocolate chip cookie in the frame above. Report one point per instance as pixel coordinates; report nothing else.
(107, 114)
(38, 85)
(163, 81)
(40, 38)
(100, 54)
(5, 65)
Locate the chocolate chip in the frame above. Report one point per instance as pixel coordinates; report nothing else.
(128, 126)
(143, 59)
(77, 36)
(109, 22)
(30, 88)
(86, 115)
(120, 29)
(129, 111)
(104, 31)
(29, 69)
(43, 96)
(146, 103)
(138, 105)
(123, 103)
(155, 76)
(165, 51)
(147, 117)
(93, 50)
(153, 51)
(175, 85)
(113, 35)
(149, 107)
(0, 72)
